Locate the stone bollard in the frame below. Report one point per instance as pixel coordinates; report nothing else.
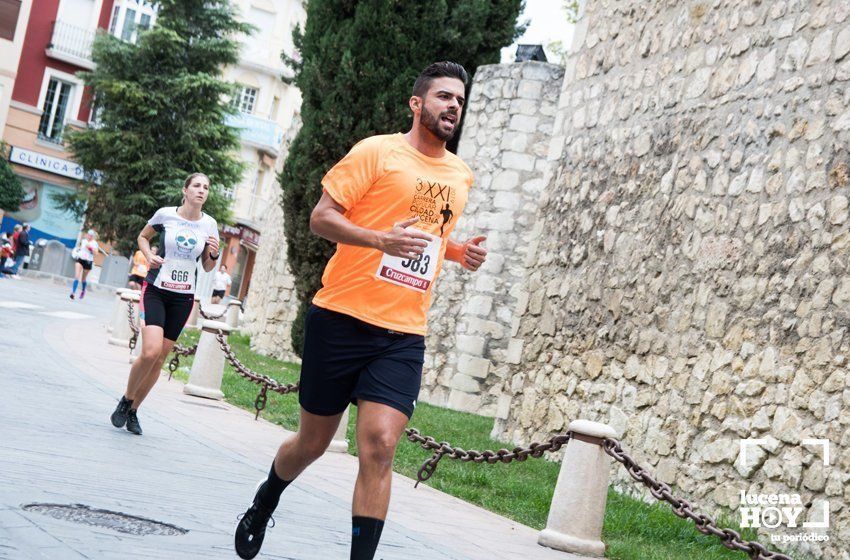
(578, 505)
(192, 321)
(339, 444)
(121, 332)
(119, 310)
(208, 367)
(232, 316)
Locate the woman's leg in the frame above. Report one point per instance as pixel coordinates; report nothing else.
(84, 275)
(78, 271)
(151, 346)
(153, 373)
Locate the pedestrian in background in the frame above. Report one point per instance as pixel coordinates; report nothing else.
(139, 270)
(84, 260)
(221, 283)
(22, 247)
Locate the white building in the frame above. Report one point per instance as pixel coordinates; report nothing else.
(268, 107)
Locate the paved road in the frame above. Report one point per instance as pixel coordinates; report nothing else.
(194, 468)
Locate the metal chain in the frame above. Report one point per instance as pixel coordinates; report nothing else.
(178, 351)
(131, 317)
(209, 316)
(264, 381)
(684, 509)
(441, 449)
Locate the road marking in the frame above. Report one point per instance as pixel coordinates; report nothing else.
(66, 315)
(18, 305)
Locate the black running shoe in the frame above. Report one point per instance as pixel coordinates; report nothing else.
(252, 529)
(119, 417)
(133, 425)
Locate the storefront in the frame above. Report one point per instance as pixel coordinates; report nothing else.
(44, 179)
(241, 244)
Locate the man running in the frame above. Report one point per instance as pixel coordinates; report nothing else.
(364, 334)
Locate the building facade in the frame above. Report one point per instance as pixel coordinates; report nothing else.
(45, 43)
(267, 108)
(52, 44)
(14, 15)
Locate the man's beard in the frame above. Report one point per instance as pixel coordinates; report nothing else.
(432, 123)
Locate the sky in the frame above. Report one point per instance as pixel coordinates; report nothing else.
(548, 23)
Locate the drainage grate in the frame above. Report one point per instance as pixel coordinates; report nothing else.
(121, 522)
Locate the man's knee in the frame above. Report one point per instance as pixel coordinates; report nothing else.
(311, 447)
(377, 450)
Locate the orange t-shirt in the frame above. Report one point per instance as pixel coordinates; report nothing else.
(384, 180)
(140, 264)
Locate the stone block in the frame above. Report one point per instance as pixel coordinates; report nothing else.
(503, 407)
(524, 123)
(479, 305)
(473, 366)
(466, 383)
(470, 344)
(514, 352)
(842, 43)
(467, 402)
(507, 200)
(515, 160)
(505, 180)
(530, 89)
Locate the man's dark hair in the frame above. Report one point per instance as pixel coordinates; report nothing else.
(444, 69)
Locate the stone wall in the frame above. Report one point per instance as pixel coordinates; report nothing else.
(272, 303)
(505, 139)
(691, 284)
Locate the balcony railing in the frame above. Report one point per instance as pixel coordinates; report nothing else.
(249, 207)
(265, 134)
(71, 41)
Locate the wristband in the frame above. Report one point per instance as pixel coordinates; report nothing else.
(455, 251)
(217, 255)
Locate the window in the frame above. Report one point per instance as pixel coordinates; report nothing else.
(130, 18)
(54, 109)
(228, 193)
(9, 10)
(245, 99)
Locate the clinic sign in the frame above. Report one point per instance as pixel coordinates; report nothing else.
(47, 163)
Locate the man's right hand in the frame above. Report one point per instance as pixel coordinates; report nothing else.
(154, 261)
(399, 242)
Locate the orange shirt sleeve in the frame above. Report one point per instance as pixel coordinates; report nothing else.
(353, 175)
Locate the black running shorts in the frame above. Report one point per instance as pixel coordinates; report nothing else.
(85, 264)
(162, 308)
(345, 360)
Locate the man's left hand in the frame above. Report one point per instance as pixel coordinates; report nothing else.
(474, 254)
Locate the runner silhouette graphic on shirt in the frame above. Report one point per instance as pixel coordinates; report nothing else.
(447, 214)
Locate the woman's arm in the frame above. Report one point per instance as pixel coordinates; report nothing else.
(144, 241)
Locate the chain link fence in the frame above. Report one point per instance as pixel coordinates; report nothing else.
(681, 507)
(661, 491)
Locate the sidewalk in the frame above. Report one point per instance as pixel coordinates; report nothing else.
(195, 467)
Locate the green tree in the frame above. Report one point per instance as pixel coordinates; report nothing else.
(11, 191)
(161, 109)
(358, 64)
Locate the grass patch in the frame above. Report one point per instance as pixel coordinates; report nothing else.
(633, 530)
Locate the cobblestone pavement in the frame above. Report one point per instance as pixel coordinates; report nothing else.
(195, 467)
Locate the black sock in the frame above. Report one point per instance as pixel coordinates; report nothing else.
(272, 488)
(365, 534)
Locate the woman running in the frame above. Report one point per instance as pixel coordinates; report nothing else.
(186, 236)
(83, 262)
